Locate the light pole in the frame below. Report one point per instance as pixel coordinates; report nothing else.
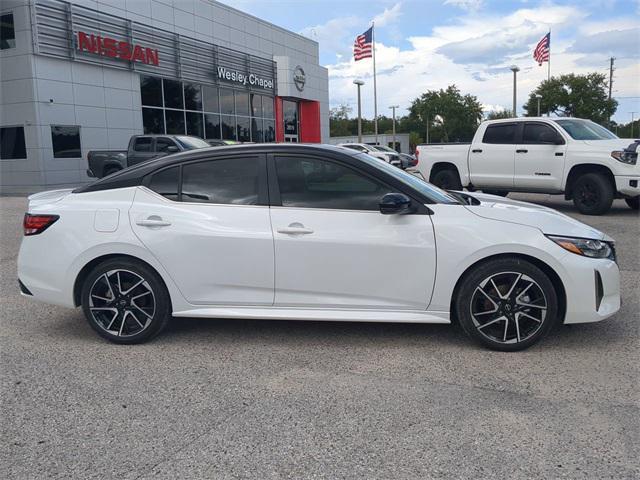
(632, 115)
(393, 109)
(359, 83)
(515, 70)
(538, 97)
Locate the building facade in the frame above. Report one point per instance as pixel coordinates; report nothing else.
(83, 75)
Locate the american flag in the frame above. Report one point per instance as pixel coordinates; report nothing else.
(363, 46)
(541, 52)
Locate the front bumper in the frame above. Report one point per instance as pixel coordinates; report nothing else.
(628, 185)
(592, 287)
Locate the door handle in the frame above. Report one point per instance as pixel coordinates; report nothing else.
(295, 229)
(476, 150)
(153, 221)
(522, 150)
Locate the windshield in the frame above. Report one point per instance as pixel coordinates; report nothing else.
(191, 143)
(431, 191)
(585, 130)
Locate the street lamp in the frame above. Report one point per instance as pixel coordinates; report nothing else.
(515, 70)
(359, 83)
(539, 97)
(632, 120)
(393, 108)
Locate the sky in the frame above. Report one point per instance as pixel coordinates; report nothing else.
(429, 44)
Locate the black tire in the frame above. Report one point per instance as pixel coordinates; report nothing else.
(447, 179)
(500, 193)
(506, 324)
(110, 170)
(120, 312)
(634, 203)
(592, 194)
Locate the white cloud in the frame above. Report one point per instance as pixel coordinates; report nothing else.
(389, 15)
(475, 53)
(469, 5)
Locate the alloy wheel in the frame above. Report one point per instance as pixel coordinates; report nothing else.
(508, 307)
(122, 303)
(589, 195)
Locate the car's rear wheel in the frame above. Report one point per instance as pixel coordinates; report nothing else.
(506, 304)
(447, 179)
(592, 194)
(634, 203)
(125, 301)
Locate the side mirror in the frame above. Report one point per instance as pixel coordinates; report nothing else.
(172, 149)
(395, 204)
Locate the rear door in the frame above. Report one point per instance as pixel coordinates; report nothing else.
(208, 223)
(492, 162)
(539, 159)
(333, 246)
(141, 150)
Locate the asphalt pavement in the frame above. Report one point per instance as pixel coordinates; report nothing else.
(257, 399)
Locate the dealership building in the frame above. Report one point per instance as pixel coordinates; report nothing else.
(82, 75)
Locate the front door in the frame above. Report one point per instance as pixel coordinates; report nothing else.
(540, 158)
(492, 161)
(291, 118)
(211, 231)
(333, 247)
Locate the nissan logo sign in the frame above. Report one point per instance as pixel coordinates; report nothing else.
(299, 78)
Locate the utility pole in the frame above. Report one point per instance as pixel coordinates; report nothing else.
(393, 108)
(359, 83)
(611, 60)
(632, 120)
(515, 70)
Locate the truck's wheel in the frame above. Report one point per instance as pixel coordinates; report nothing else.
(110, 170)
(447, 179)
(592, 194)
(634, 203)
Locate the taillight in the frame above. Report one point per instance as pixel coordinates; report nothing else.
(35, 224)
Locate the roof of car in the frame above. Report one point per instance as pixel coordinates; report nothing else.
(133, 175)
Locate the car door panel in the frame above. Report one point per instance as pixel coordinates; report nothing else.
(539, 163)
(492, 161)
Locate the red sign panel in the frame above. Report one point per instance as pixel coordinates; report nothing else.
(110, 47)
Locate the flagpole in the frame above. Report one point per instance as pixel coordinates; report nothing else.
(375, 91)
(549, 62)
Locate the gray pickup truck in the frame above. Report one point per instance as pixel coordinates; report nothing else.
(141, 148)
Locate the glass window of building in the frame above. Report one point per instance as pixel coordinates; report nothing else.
(151, 91)
(228, 127)
(192, 96)
(175, 122)
(172, 94)
(65, 141)
(269, 131)
(153, 120)
(210, 99)
(12, 145)
(257, 134)
(212, 125)
(227, 104)
(194, 124)
(7, 31)
(244, 129)
(267, 107)
(242, 103)
(290, 115)
(256, 105)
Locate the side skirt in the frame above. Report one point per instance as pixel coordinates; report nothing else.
(329, 315)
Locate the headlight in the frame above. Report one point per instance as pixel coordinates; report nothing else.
(625, 156)
(586, 247)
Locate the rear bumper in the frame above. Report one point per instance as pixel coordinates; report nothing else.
(628, 185)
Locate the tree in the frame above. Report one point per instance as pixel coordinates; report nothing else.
(457, 115)
(339, 123)
(571, 95)
(498, 114)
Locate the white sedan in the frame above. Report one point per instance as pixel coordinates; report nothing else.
(305, 232)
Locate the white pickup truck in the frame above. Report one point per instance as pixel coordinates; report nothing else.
(570, 156)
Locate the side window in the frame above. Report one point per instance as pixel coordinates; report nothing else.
(315, 183)
(165, 182)
(538, 133)
(227, 181)
(142, 144)
(163, 144)
(12, 145)
(65, 141)
(7, 31)
(501, 133)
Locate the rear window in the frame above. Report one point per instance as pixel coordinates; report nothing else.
(142, 144)
(165, 182)
(501, 133)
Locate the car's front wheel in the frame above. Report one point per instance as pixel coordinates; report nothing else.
(593, 194)
(506, 304)
(125, 301)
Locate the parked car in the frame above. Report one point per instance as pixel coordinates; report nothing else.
(374, 151)
(141, 148)
(407, 161)
(350, 238)
(578, 158)
(221, 143)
